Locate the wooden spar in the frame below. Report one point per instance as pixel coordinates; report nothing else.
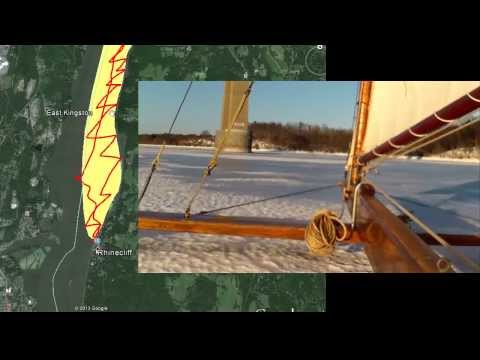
(448, 114)
(220, 225)
(365, 95)
(257, 227)
(389, 243)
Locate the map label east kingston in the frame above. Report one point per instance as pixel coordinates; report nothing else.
(76, 113)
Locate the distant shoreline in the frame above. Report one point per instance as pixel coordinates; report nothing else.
(425, 158)
(191, 147)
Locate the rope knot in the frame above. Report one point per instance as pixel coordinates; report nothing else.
(212, 165)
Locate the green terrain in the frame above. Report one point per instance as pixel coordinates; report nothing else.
(231, 62)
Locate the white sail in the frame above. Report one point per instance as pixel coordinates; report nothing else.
(395, 106)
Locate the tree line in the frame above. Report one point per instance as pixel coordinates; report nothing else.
(205, 138)
(301, 136)
(306, 137)
(293, 136)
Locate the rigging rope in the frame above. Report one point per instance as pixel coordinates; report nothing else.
(156, 161)
(465, 259)
(450, 213)
(320, 188)
(214, 161)
(323, 231)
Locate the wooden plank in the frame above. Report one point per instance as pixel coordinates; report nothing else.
(389, 243)
(208, 224)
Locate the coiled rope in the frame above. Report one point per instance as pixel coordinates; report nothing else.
(323, 231)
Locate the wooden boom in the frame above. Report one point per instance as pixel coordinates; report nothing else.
(222, 225)
(257, 227)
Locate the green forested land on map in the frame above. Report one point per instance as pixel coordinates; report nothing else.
(36, 234)
(231, 62)
(38, 77)
(113, 281)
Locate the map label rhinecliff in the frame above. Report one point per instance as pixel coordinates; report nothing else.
(103, 252)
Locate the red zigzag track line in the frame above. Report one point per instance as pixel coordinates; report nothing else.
(106, 107)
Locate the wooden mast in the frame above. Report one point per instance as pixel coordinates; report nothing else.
(361, 118)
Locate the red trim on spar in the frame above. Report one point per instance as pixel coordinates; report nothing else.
(446, 115)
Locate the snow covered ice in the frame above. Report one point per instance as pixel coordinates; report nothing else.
(445, 195)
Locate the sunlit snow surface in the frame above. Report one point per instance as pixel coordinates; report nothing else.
(445, 195)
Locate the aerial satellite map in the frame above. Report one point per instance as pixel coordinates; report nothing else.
(69, 160)
(234, 62)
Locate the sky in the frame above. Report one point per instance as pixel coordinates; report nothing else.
(328, 103)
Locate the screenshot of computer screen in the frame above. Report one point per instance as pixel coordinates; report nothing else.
(224, 177)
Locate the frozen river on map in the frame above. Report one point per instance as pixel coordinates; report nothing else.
(445, 195)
